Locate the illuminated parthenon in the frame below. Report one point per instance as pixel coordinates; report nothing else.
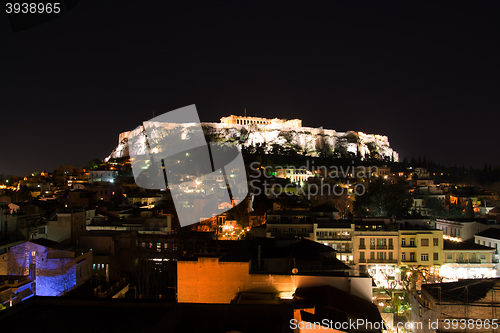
(239, 120)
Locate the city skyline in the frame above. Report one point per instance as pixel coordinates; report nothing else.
(422, 74)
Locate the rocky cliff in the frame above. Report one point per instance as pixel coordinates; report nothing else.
(279, 139)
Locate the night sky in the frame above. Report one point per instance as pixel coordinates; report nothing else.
(425, 74)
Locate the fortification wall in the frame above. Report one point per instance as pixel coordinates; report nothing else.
(308, 140)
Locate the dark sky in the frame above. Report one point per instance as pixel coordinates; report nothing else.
(426, 74)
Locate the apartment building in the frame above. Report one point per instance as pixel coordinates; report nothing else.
(467, 260)
(376, 251)
(421, 247)
(463, 228)
(491, 238)
(339, 236)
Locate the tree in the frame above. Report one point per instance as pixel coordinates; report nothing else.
(435, 206)
(239, 213)
(148, 279)
(455, 211)
(344, 205)
(383, 200)
(469, 210)
(22, 194)
(94, 164)
(412, 275)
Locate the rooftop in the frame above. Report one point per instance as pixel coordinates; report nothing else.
(493, 233)
(462, 291)
(335, 224)
(467, 245)
(54, 314)
(48, 243)
(467, 220)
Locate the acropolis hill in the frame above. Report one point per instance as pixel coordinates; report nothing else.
(285, 134)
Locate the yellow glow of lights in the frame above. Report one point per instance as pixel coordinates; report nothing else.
(286, 295)
(454, 239)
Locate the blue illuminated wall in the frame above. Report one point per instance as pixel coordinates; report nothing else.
(53, 281)
(54, 271)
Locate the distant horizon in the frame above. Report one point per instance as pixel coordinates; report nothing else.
(424, 74)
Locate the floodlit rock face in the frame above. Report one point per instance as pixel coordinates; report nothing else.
(276, 139)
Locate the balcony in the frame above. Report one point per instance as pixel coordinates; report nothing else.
(381, 247)
(334, 237)
(378, 261)
(409, 260)
(362, 247)
(465, 261)
(408, 245)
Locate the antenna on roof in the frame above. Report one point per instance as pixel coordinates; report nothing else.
(245, 112)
